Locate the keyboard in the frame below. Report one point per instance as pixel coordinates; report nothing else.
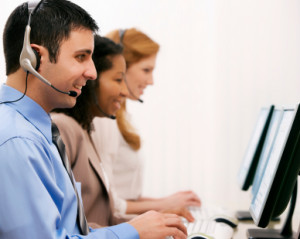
(214, 213)
(208, 229)
(210, 223)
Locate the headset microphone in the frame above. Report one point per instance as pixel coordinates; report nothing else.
(121, 36)
(99, 108)
(26, 65)
(130, 92)
(140, 100)
(107, 115)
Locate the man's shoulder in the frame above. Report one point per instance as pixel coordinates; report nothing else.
(14, 125)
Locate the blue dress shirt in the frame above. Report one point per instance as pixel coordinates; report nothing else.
(37, 199)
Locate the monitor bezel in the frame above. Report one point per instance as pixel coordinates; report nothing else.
(263, 159)
(246, 180)
(285, 177)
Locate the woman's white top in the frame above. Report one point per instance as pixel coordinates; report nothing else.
(123, 165)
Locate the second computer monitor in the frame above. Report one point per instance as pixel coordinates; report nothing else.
(280, 173)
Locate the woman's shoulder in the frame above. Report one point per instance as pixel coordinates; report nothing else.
(68, 127)
(102, 123)
(65, 121)
(105, 128)
(106, 135)
(72, 134)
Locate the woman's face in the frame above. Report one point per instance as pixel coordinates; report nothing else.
(112, 90)
(139, 75)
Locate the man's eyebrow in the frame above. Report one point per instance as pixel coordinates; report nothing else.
(87, 51)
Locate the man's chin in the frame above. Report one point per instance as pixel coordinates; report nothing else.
(69, 104)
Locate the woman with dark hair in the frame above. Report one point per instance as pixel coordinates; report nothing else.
(101, 97)
(121, 154)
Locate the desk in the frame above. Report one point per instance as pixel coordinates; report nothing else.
(241, 231)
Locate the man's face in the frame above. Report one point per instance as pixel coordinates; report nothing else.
(73, 68)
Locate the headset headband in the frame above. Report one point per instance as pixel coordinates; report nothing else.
(121, 35)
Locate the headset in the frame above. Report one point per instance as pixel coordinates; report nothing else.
(99, 108)
(29, 58)
(121, 36)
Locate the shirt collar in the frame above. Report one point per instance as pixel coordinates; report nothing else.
(30, 110)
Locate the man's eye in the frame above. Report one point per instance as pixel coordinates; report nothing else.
(80, 57)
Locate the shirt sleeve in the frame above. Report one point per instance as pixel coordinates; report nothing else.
(24, 194)
(121, 231)
(31, 200)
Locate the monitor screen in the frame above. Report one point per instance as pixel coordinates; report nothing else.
(264, 156)
(280, 172)
(250, 160)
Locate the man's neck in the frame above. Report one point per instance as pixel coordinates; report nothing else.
(17, 80)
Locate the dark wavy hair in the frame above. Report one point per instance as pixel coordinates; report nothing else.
(84, 110)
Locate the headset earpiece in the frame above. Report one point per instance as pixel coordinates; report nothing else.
(38, 59)
(29, 54)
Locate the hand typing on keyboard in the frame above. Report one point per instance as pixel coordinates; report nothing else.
(180, 199)
(152, 224)
(180, 211)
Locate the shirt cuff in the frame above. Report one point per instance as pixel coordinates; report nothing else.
(124, 231)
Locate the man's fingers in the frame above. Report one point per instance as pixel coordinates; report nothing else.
(176, 234)
(175, 222)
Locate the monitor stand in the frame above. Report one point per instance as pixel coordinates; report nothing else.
(246, 216)
(266, 234)
(285, 233)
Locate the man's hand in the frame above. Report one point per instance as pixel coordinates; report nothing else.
(155, 225)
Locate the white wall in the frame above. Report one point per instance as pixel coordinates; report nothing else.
(220, 61)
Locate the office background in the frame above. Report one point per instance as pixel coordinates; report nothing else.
(220, 62)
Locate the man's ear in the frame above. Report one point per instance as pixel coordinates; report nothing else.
(39, 53)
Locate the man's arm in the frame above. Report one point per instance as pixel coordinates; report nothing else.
(33, 203)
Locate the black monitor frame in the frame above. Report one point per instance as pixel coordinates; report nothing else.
(282, 180)
(267, 148)
(255, 146)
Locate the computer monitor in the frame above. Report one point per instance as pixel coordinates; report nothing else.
(251, 157)
(267, 147)
(253, 163)
(279, 178)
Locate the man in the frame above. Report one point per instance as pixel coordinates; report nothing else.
(37, 198)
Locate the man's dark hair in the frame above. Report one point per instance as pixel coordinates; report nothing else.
(84, 110)
(50, 25)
